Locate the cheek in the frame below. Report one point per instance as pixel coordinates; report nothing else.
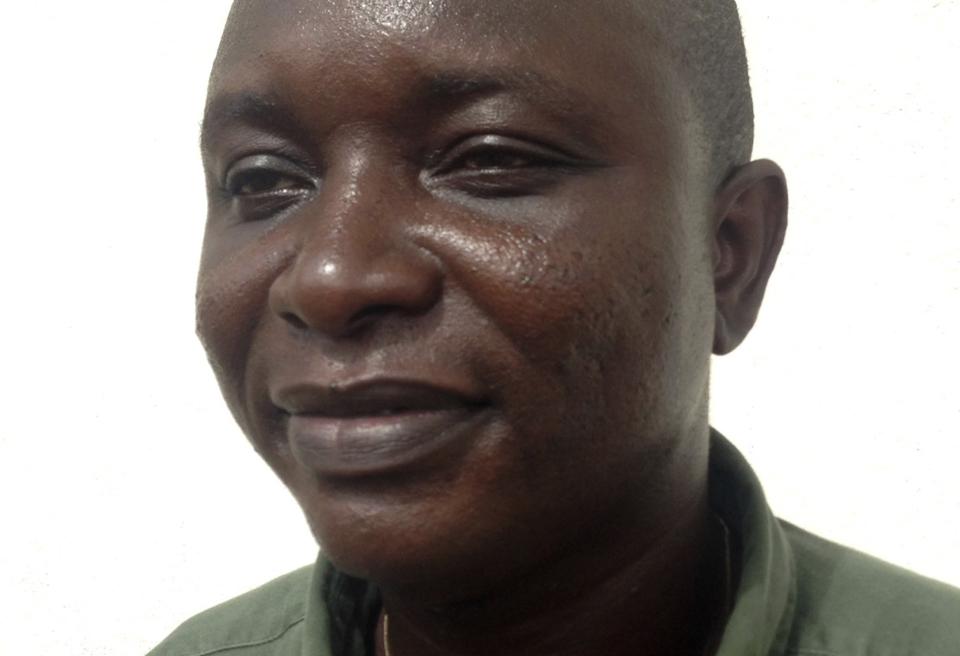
(611, 306)
(581, 305)
(231, 304)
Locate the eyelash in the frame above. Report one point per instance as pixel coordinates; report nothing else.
(524, 168)
(525, 160)
(269, 170)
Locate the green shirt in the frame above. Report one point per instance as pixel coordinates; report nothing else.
(797, 595)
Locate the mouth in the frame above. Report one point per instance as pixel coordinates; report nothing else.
(375, 426)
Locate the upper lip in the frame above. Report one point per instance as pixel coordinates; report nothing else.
(372, 397)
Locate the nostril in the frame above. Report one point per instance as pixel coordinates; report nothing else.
(366, 317)
(294, 320)
(372, 312)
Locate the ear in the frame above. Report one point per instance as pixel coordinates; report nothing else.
(750, 222)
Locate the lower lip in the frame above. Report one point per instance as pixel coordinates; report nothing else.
(354, 446)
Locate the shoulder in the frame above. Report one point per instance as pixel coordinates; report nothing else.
(261, 621)
(847, 602)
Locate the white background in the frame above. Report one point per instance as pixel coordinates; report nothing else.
(129, 500)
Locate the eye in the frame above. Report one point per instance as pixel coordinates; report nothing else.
(266, 176)
(499, 153)
(262, 186)
(252, 183)
(499, 166)
(491, 158)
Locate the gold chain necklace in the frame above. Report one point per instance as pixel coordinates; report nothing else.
(727, 601)
(386, 634)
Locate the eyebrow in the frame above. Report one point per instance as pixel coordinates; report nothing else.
(541, 90)
(460, 84)
(265, 111)
(443, 89)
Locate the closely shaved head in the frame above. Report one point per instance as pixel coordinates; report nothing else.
(706, 40)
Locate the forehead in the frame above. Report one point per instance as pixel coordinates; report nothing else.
(599, 68)
(607, 49)
(306, 25)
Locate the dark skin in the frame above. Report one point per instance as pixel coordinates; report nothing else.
(460, 291)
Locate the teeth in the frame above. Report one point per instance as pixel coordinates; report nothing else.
(392, 411)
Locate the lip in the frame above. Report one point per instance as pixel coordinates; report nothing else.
(375, 426)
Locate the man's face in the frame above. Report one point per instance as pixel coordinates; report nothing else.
(456, 282)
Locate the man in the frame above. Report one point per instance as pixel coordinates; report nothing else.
(465, 265)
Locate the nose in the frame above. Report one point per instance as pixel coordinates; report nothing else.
(354, 267)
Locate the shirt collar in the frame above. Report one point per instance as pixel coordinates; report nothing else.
(763, 605)
(342, 614)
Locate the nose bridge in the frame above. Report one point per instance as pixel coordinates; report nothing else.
(354, 263)
(348, 225)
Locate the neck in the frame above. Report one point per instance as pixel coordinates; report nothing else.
(621, 594)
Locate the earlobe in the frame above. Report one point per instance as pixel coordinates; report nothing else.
(750, 223)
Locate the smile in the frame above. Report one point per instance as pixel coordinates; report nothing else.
(375, 427)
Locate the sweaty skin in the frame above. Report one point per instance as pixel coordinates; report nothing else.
(463, 270)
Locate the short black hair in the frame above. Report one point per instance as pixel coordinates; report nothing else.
(705, 37)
